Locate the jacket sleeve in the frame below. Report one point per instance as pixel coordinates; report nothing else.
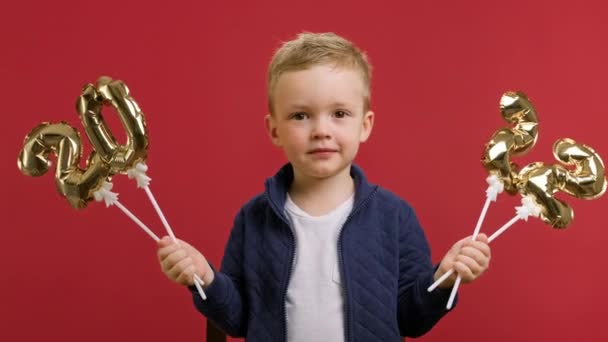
(418, 310)
(225, 304)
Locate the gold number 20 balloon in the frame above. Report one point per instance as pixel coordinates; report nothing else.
(587, 180)
(63, 140)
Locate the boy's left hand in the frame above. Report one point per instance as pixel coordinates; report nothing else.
(468, 258)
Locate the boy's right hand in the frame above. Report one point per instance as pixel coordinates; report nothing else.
(181, 261)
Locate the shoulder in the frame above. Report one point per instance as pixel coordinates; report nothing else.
(391, 201)
(382, 200)
(256, 212)
(255, 203)
(410, 233)
(255, 206)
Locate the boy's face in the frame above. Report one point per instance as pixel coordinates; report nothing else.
(319, 119)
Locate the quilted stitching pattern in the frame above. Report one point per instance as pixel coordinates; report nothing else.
(386, 267)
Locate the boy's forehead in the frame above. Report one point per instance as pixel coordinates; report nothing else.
(322, 71)
(320, 84)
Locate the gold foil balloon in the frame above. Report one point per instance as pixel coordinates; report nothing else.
(76, 184)
(587, 180)
(517, 140)
(90, 104)
(108, 158)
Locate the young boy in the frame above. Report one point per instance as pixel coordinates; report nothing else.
(323, 255)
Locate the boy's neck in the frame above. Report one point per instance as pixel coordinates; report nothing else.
(319, 196)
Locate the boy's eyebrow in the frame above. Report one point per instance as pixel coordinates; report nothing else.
(340, 104)
(305, 107)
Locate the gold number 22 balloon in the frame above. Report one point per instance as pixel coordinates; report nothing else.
(63, 140)
(587, 180)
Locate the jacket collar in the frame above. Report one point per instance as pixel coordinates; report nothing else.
(278, 185)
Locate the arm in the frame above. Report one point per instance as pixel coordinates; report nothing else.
(225, 290)
(418, 310)
(225, 304)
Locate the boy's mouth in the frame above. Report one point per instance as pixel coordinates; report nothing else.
(322, 150)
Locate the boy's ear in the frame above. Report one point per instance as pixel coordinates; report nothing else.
(367, 125)
(271, 128)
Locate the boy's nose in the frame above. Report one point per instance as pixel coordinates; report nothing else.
(321, 129)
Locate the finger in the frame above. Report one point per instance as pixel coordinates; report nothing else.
(462, 241)
(483, 238)
(199, 258)
(455, 249)
(172, 259)
(470, 268)
(188, 247)
(165, 241)
(177, 269)
(482, 246)
(480, 258)
(463, 271)
(164, 252)
(184, 272)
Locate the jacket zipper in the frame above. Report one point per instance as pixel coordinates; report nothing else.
(341, 259)
(292, 243)
(291, 263)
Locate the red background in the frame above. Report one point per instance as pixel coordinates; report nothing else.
(198, 72)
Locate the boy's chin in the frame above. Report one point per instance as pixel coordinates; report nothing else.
(325, 171)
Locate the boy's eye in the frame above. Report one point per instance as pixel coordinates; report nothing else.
(340, 113)
(298, 116)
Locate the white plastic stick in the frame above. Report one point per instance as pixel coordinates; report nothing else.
(496, 234)
(481, 218)
(441, 279)
(453, 293)
(447, 274)
(160, 213)
(504, 228)
(136, 220)
(484, 210)
(490, 239)
(528, 208)
(495, 187)
(105, 194)
(198, 282)
(155, 237)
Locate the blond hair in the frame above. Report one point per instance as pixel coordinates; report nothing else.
(310, 49)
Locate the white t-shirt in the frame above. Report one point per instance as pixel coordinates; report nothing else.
(315, 299)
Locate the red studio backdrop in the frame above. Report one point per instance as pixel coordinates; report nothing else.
(197, 69)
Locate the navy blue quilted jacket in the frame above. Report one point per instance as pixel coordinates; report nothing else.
(385, 267)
